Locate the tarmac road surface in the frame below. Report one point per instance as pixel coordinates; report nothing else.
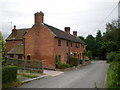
(89, 76)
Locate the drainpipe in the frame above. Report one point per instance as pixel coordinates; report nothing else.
(68, 50)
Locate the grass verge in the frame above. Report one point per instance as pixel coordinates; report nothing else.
(113, 76)
(11, 84)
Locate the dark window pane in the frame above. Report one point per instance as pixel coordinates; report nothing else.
(71, 44)
(19, 56)
(67, 43)
(28, 57)
(11, 56)
(59, 42)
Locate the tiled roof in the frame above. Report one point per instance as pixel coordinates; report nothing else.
(18, 49)
(20, 33)
(61, 34)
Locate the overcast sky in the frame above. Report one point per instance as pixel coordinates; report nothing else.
(83, 16)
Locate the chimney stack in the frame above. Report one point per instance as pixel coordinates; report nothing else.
(67, 30)
(39, 17)
(75, 33)
(14, 31)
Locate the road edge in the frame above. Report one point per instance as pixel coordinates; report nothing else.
(28, 80)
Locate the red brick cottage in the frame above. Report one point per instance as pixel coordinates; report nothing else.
(44, 42)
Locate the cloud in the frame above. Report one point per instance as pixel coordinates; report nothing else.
(82, 15)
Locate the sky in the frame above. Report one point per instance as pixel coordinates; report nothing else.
(84, 16)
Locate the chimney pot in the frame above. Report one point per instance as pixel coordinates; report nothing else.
(75, 33)
(14, 31)
(67, 30)
(14, 26)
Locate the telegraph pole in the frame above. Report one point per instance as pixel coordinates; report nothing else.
(119, 14)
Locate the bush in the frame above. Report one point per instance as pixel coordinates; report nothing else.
(9, 73)
(63, 66)
(73, 61)
(89, 54)
(66, 65)
(113, 56)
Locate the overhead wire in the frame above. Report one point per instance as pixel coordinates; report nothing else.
(107, 16)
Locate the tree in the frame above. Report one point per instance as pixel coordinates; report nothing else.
(91, 44)
(111, 39)
(108, 47)
(81, 37)
(2, 47)
(112, 33)
(99, 41)
(89, 54)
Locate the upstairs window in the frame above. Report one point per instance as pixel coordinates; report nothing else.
(71, 44)
(59, 42)
(67, 43)
(75, 44)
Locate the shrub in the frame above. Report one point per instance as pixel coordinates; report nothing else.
(73, 61)
(9, 73)
(63, 66)
(89, 54)
(66, 65)
(117, 58)
(57, 61)
(113, 56)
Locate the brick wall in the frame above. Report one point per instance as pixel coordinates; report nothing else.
(39, 44)
(63, 50)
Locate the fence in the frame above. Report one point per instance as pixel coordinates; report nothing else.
(27, 64)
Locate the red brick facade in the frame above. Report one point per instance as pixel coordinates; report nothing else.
(40, 43)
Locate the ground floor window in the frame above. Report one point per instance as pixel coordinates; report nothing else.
(28, 57)
(19, 59)
(19, 56)
(11, 56)
(75, 54)
(67, 57)
(59, 57)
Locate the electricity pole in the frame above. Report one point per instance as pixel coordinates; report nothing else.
(119, 14)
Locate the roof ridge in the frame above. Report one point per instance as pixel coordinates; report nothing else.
(24, 29)
(64, 35)
(60, 30)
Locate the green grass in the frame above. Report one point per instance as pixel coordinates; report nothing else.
(113, 76)
(30, 76)
(12, 84)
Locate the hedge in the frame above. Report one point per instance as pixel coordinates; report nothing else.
(73, 61)
(9, 73)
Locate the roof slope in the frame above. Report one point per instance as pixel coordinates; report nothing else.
(20, 33)
(61, 34)
(18, 49)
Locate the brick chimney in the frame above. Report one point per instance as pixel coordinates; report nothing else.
(67, 30)
(14, 31)
(39, 17)
(75, 33)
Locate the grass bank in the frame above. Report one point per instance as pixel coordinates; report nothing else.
(113, 75)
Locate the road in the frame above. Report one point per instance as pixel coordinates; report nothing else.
(89, 76)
